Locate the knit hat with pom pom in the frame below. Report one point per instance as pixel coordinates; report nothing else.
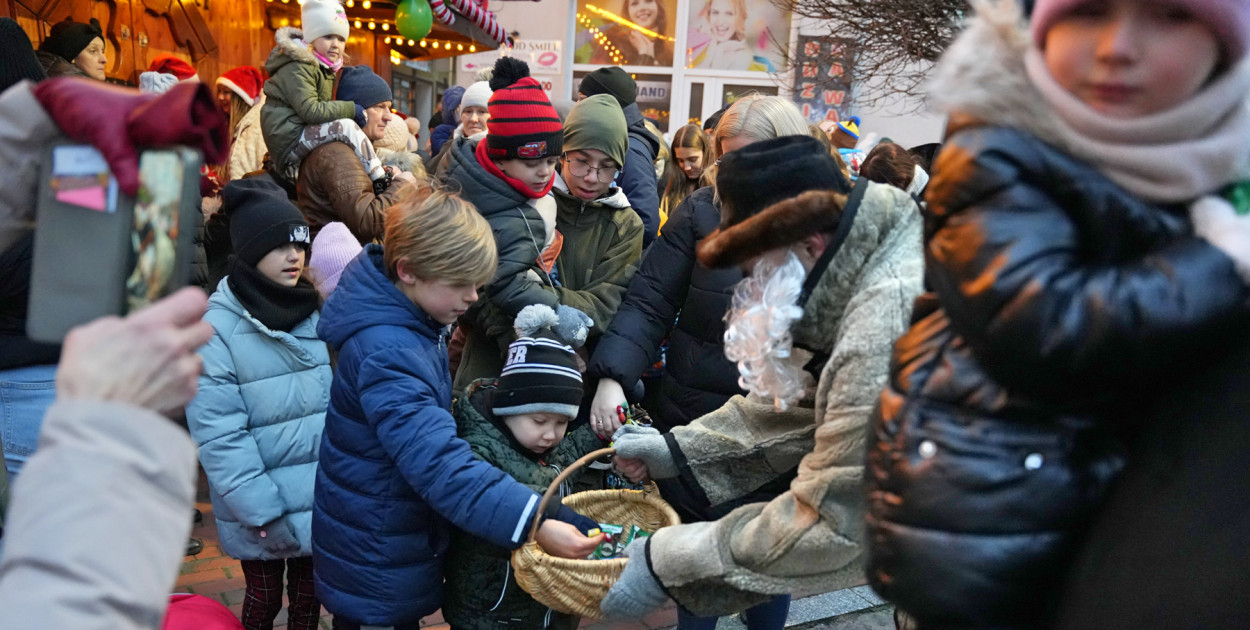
(523, 124)
(540, 374)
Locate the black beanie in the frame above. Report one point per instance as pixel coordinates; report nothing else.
(68, 38)
(17, 56)
(612, 81)
(262, 218)
(763, 173)
(540, 374)
(362, 86)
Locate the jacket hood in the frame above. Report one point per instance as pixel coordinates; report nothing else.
(405, 161)
(981, 76)
(885, 239)
(614, 198)
(488, 193)
(364, 281)
(633, 118)
(290, 47)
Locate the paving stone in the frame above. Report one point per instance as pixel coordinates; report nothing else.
(809, 609)
(867, 593)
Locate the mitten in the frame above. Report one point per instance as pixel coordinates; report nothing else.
(646, 444)
(573, 325)
(278, 537)
(1216, 221)
(637, 592)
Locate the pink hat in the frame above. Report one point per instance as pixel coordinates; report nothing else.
(334, 247)
(1229, 19)
(245, 81)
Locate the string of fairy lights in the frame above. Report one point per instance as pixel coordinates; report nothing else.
(602, 40)
(399, 40)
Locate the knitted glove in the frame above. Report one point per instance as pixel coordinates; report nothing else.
(637, 592)
(573, 326)
(360, 118)
(646, 444)
(278, 537)
(1216, 221)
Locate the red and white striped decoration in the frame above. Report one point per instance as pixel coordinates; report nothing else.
(441, 12)
(481, 17)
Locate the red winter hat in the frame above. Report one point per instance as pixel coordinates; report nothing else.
(523, 124)
(245, 81)
(169, 64)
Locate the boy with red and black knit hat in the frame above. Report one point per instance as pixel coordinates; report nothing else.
(508, 176)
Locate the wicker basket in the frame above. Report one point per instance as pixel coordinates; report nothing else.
(577, 586)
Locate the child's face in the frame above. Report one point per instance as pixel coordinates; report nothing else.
(443, 300)
(330, 47)
(537, 432)
(283, 264)
(1127, 58)
(585, 170)
(535, 174)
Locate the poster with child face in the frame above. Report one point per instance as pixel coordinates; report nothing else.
(625, 32)
(742, 35)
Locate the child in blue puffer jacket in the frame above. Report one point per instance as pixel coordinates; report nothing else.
(394, 478)
(262, 402)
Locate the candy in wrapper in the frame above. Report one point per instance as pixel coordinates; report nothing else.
(611, 547)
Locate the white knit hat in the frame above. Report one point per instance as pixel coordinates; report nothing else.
(477, 95)
(323, 17)
(334, 247)
(156, 82)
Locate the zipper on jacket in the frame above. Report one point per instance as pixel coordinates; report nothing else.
(507, 575)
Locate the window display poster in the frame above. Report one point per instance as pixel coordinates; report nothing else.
(625, 32)
(655, 95)
(822, 79)
(743, 35)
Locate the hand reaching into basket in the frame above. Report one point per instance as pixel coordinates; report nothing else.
(646, 445)
(565, 540)
(637, 592)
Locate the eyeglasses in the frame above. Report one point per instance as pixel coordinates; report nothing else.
(582, 168)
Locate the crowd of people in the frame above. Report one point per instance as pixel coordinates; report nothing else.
(997, 378)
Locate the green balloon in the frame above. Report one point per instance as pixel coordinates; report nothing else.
(414, 19)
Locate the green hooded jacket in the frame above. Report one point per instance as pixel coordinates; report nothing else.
(299, 92)
(480, 592)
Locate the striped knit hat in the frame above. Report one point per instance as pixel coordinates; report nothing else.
(540, 375)
(523, 124)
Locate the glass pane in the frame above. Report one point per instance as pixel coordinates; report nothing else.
(696, 104)
(749, 35)
(732, 93)
(628, 33)
(655, 95)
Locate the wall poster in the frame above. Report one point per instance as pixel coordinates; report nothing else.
(625, 32)
(822, 78)
(743, 35)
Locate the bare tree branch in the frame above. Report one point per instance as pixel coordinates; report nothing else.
(895, 42)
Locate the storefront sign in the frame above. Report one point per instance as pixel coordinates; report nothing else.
(822, 80)
(654, 91)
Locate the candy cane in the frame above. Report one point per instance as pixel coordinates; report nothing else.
(482, 18)
(441, 12)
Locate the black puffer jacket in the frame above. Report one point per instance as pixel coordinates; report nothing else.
(1060, 304)
(698, 378)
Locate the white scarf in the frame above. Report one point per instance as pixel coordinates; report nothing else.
(1179, 155)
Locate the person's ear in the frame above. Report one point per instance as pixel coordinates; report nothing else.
(403, 270)
(811, 247)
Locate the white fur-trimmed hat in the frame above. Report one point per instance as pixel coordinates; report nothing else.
(323, 17)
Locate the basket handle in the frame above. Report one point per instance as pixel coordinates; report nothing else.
(555, 485)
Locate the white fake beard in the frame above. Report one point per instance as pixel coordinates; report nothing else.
(757, 333)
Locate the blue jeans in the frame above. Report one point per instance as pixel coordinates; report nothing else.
(771, 615)
(25, 395)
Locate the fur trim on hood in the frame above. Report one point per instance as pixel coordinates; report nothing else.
(405, 161)
(290, 43)
(981, 76)
(776, 226)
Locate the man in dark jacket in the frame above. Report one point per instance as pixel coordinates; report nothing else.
(334, 186)
(637, 177)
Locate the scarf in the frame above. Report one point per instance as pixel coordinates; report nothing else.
(516, 184)
(275, 306)
(334, 67)
(1192, 150)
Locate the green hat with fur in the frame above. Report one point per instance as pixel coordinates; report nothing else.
(597, 122)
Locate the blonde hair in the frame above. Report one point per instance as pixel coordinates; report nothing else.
(443, 237)
(740, 17)
(760, 117)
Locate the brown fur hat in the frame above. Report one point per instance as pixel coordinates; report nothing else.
(780, 224)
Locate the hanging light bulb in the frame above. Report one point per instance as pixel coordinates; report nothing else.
(357, 21)
(459, 46)
(373, 25)
(472, 48)
(422, 42)
(386, 26)
(366, 4)
(350, 3)
(386, 40)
